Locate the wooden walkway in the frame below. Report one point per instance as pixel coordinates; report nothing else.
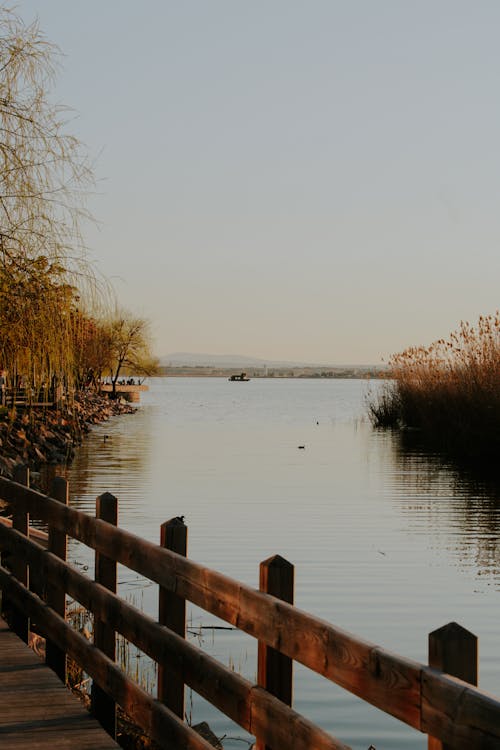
(37, 712)
(440, 699)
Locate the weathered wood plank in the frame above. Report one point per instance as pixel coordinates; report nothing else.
(103, 706)
(275, 670)
(459, 715)
(293, 732)
(36, 711)
(56, 596)
(36, 534)
(453, 649)
(20, 522)
(172, 614)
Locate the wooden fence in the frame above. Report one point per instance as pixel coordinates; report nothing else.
(27, 397)
(450, 709)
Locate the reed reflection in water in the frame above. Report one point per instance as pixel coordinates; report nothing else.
(388, 542)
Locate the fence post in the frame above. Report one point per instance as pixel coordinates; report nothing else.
(453, 649)
(20, 522)
(172, 614)
(55, 657)
(104, 707)
(274, 670)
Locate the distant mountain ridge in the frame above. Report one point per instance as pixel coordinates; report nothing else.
(191, 359)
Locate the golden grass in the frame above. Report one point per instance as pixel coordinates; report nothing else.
(449, 390)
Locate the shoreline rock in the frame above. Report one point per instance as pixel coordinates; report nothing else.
(40, 437)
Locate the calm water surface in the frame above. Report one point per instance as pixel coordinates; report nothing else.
(388, 544)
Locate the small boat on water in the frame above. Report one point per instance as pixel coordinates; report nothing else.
(239, 378)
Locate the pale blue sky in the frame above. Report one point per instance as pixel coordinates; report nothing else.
(314, 181)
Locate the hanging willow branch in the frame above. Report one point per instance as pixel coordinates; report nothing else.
(44, 179)
(44, 171)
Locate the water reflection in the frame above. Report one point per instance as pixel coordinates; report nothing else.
(457, 508)
(111, 459)
(388, 542)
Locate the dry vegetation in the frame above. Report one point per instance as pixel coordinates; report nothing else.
(450, 391)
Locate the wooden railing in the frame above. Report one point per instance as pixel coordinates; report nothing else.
(24, 397)
(454, 713)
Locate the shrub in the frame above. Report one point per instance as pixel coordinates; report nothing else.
(449, 390)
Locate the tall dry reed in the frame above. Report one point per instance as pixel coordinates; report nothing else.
(450, 391)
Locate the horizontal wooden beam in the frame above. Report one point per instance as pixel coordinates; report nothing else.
(36, 534)
(457, 713)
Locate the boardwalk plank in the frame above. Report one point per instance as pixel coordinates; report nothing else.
(36, 710)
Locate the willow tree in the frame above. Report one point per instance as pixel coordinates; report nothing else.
(92, 349)
(37, 350)
(43, 179)
(130, 347)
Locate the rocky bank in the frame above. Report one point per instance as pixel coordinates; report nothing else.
(37, 437)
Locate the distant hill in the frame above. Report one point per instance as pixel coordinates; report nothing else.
(190, 359)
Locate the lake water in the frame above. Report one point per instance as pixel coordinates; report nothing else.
(387, 543)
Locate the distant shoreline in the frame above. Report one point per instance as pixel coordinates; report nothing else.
(322, 373)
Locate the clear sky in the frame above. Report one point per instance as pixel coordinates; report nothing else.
(315, 181)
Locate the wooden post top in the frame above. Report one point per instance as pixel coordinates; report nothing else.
(107, 508)
(276, 561)
(176, 521)
(453, 630)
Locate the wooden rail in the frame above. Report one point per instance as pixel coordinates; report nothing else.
(24, 397)
(454, 713)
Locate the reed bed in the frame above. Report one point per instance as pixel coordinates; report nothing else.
(449, 391)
